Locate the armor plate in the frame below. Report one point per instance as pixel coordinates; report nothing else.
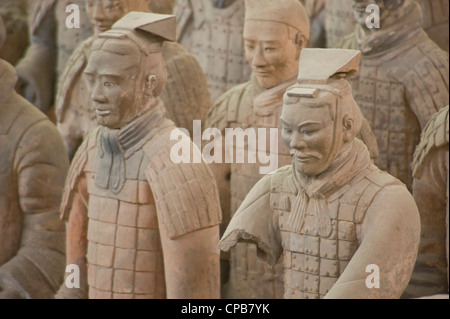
(313, 263)
(215, 39)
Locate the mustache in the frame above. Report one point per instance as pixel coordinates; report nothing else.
(297, 153)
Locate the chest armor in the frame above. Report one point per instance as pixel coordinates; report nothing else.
(396, 128)
(124, 256)
(313, 263)
(249, 276)
(216, 41)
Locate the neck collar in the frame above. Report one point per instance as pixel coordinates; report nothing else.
(115, 146)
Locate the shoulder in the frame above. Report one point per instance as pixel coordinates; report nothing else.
(186, 194)
(418, 62)
(276, 187)
(76, 171)
(225, 108)
(435, 135)
(386, 194)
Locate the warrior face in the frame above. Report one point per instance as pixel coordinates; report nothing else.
(271, 51)
(104, 13)
(111, 80)
(308, 131)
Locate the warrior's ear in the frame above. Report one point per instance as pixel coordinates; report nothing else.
(301, 42)
(151, 82)
(348, 128)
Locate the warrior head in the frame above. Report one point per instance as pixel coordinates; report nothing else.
(390, 11)
(275, 32)
(104, 13)
(320, 116)
(126, 71)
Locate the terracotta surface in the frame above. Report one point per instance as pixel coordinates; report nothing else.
(331, 213)
(139, 225)
(13, 13)
(402, 82)
(37, 69)
(430, 190)
(33, 167)
(185, 101)
(162, 6)
(435, 21)
(316, 13)
(68, 39)
(331, 20)
(257, 104)
(212, 31)
(339, 21)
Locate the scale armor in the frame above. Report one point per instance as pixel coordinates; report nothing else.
(312, 263)
(124, 255)
(399, 98)
(214, 36)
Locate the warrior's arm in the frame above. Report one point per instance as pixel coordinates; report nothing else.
(256, 222)
(41, 166)
(188, 209)
(191, 264)
(390, 237)
(76, 241)
(74, 210)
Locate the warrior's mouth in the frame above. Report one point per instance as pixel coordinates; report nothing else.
(103, 28)
(102, 112)
(301, 157)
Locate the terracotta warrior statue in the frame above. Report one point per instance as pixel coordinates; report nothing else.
(33, 167)
(430, 190)
(402, 81)
(187, 100)
(212, 31)
(69, 38)
(138, 225)
(342, 227)
(275, 32)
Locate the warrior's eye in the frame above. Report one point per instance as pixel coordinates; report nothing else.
(89, 78)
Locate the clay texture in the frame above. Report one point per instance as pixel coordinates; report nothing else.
(33, 167)
(430, 190)
(185, 101)
(37, 69)
(138, 225)
(212, 31)
(402, 82)
(68, 39)
(257, 104)
(332, 212)
(14, 15)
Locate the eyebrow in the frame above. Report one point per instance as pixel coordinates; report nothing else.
(307, 123)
